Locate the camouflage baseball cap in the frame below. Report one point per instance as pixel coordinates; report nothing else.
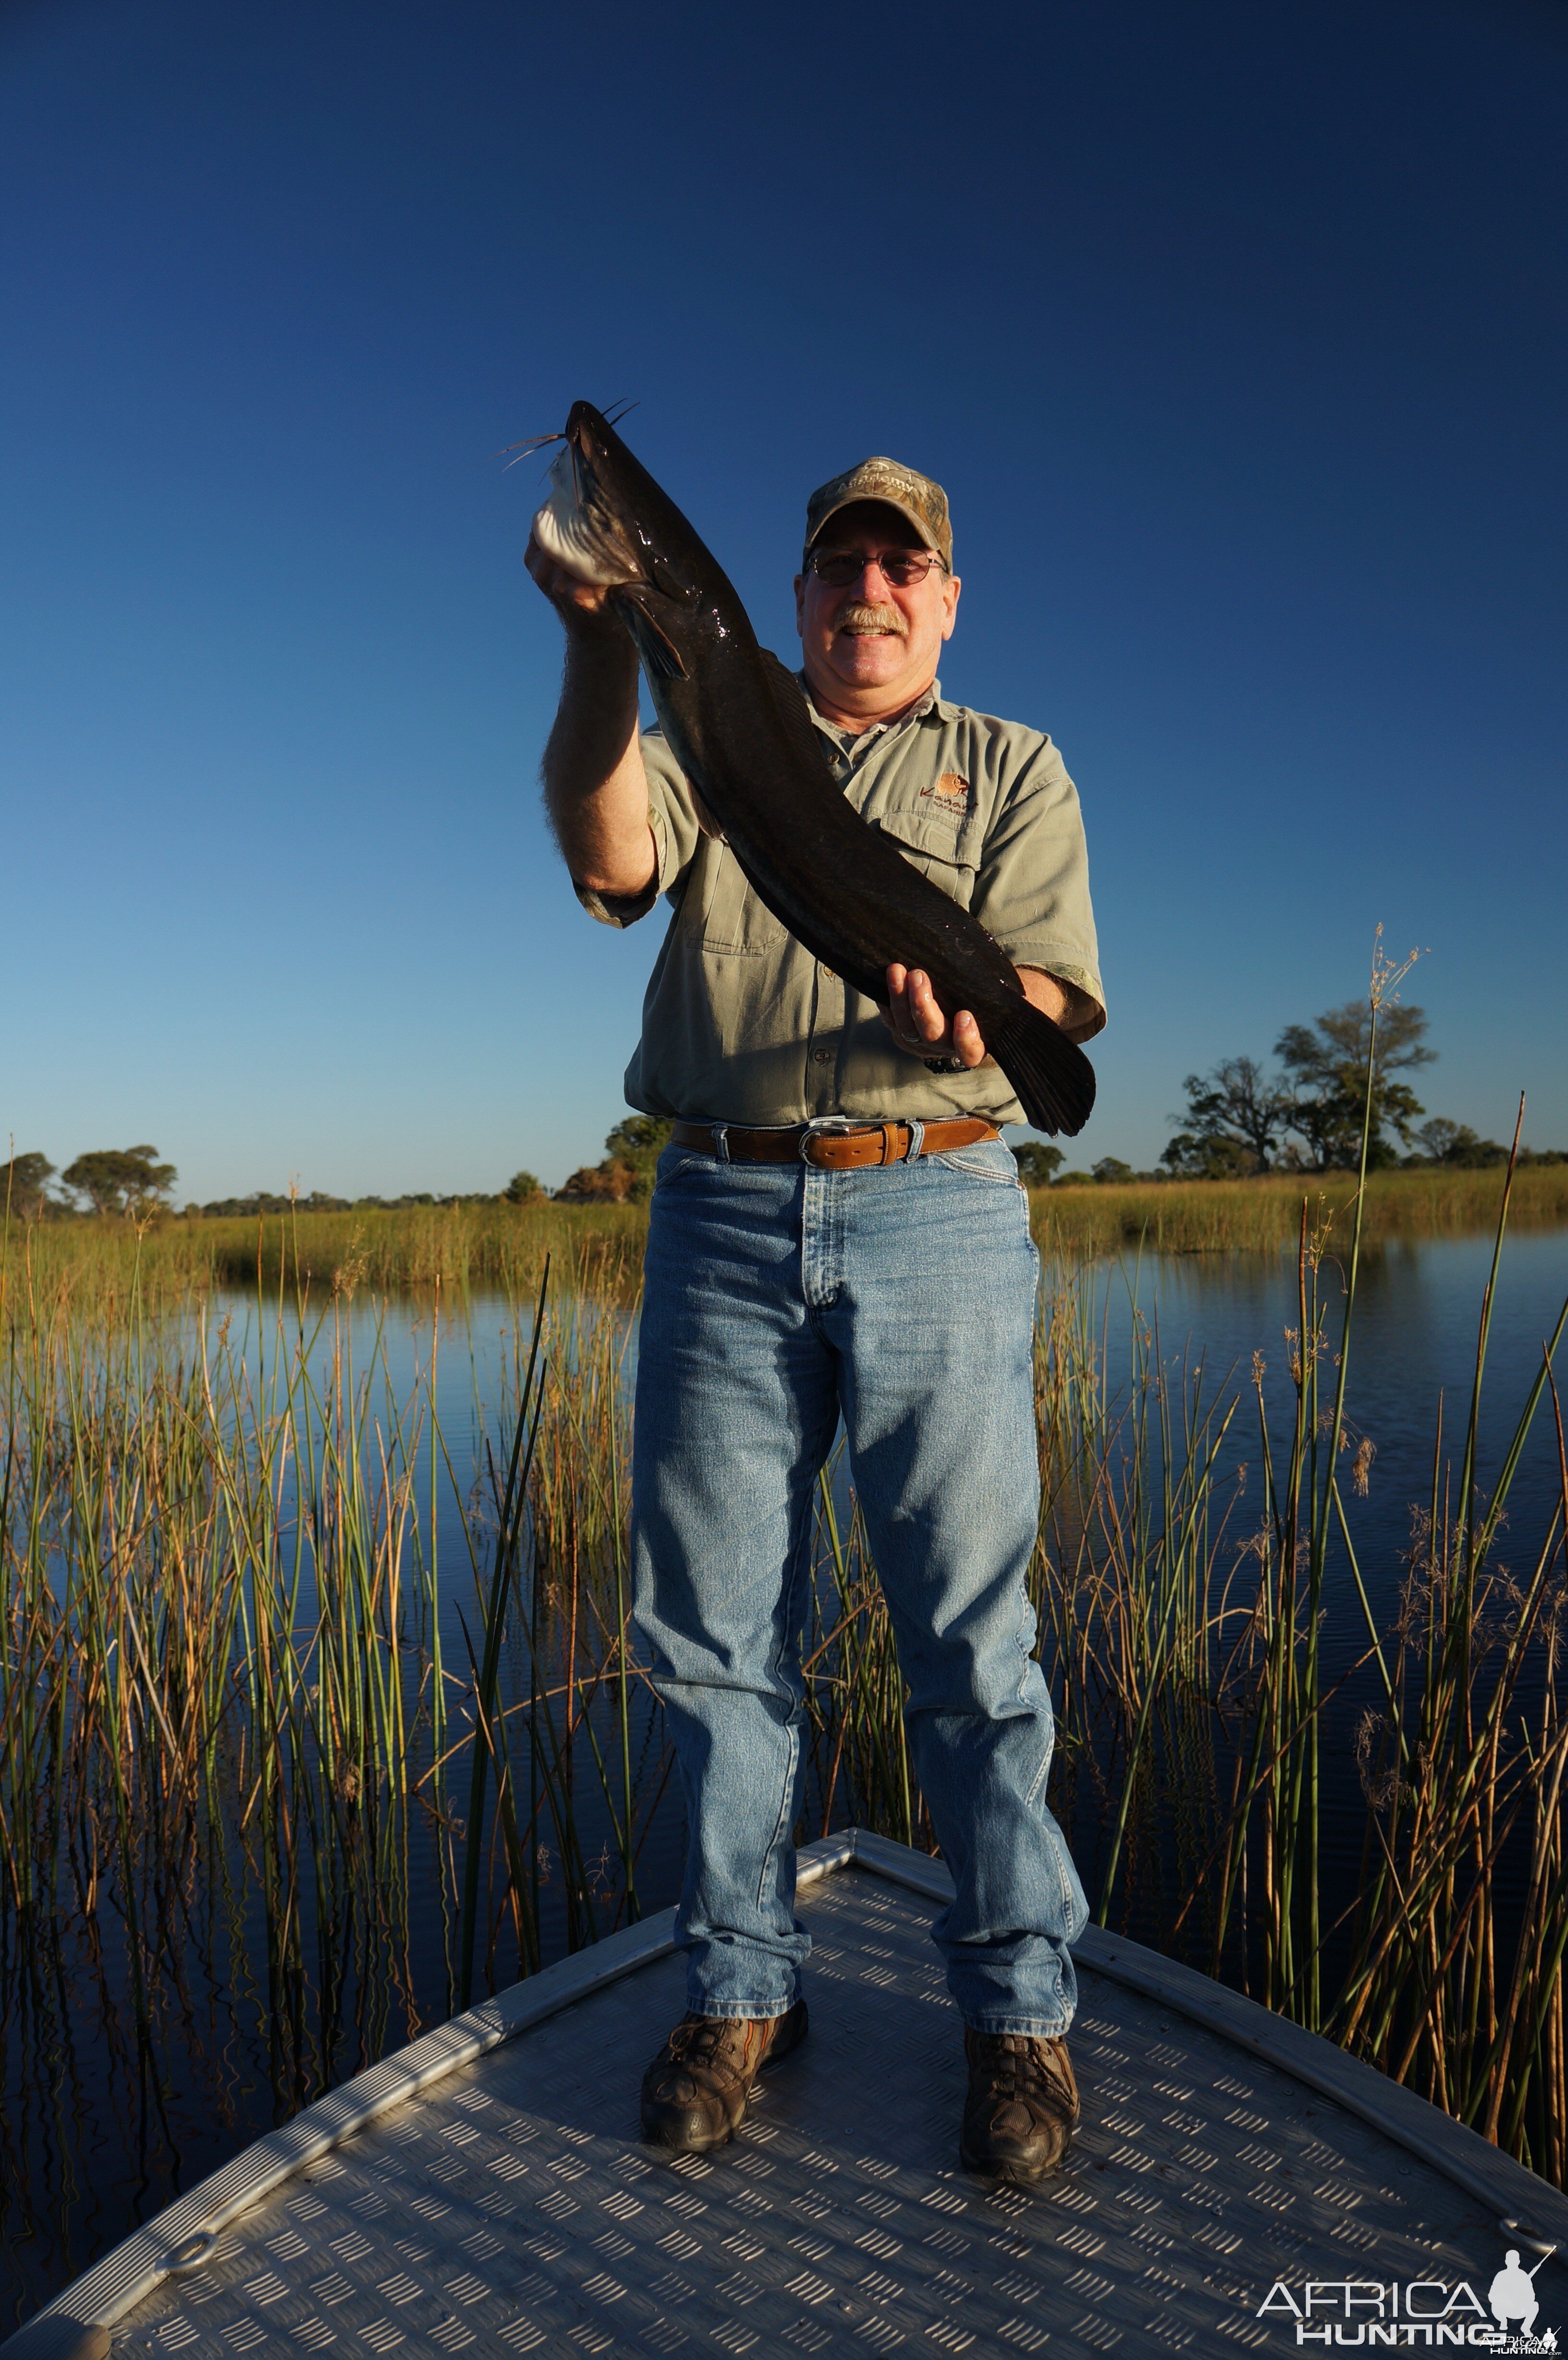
(914, 495)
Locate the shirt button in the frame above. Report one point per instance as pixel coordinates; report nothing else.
(823, 1056)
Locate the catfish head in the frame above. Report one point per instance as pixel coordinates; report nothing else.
(609, 523)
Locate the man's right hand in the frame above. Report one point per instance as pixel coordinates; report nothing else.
(583, 607)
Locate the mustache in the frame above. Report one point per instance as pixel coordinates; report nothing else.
(858, 616)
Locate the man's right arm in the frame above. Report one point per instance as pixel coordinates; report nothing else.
(595, 789)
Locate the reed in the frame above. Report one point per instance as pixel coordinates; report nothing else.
(464, 1249)
(1263, 1215)
(459, 1250)
(237, 1723)
(1185, 1645)
(314, 1699)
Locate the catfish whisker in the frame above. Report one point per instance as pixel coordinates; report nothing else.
(532, 443)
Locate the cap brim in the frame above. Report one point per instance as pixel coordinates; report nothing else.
(879, 501)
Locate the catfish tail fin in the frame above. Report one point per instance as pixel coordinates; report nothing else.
(1050, 1073)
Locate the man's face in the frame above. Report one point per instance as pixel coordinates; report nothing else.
(871, 645)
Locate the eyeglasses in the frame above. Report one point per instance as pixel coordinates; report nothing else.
(900, 568)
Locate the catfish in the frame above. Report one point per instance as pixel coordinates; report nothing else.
(737, 723)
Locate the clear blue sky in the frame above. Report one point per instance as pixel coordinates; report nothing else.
(1237, 333)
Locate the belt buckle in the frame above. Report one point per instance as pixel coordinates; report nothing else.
(830, 1126)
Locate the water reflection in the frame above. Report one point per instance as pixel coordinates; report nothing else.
(111, 2106)
(1412, 1358)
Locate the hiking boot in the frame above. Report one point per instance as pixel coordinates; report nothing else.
(694, 2092)
(1021, 2109)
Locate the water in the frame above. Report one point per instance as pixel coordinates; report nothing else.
(99, 2129)
(1412, 1354)
(1412, 1358)
(1412, 1365)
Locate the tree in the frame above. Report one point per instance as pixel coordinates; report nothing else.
(626, 1174)
(1191, 1156)
(1234, 1120)
(522, 1188)
(1110, 1171)
(1238, 1117)
(122, 1180)
(1442, 1142)
(22, 1185)
(1435, 1137)
(1037, 1162)
(639, 1139)
(1327, 1063)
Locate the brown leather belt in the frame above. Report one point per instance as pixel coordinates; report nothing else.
(833, 1151)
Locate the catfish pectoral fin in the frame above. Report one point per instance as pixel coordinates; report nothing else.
(1050, 1073)
(661, 658)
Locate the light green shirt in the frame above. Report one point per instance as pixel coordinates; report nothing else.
(741, 1024)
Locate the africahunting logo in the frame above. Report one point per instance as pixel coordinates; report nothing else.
(1429, 2313)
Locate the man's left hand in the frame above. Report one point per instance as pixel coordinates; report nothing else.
(918, 1024)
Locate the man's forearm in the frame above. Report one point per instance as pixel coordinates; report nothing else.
(596, 788)
(1065, 1003)
(1048, 992)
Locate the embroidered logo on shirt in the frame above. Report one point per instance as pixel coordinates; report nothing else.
(950, 794)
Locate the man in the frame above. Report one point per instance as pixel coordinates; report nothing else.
(838, 1230)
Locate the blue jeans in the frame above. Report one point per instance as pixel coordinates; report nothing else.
(776, 1299)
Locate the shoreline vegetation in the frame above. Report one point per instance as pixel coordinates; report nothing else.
(1263, 1213)
(244, 1751)
(466, 1246)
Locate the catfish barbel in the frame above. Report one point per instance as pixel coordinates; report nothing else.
(737, 723)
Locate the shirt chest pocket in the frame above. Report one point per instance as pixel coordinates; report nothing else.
(947, 853)
(727, 915)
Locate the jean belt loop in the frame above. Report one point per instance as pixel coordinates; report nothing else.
(917, 1142)
(722, 1141)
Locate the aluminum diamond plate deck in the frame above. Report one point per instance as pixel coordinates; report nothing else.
(511, 2207)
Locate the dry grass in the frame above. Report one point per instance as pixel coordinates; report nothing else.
(1264, 1215)
(221, 1604)
(457, 1250)
(465, 1248)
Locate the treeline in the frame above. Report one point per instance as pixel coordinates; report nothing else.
(230, 1209)
(131, 1184)
(1332, 1080)
(127, 1180)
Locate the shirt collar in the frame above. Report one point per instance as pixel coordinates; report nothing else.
(848, 743)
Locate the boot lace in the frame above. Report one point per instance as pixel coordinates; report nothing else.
(701, 2039)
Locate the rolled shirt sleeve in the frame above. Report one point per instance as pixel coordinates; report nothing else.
(1033, 889)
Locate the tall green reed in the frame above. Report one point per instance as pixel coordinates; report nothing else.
(223, 1606)
(222, 1603)
(584, 1744)
(1262, 1215)
(1187, 1651)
